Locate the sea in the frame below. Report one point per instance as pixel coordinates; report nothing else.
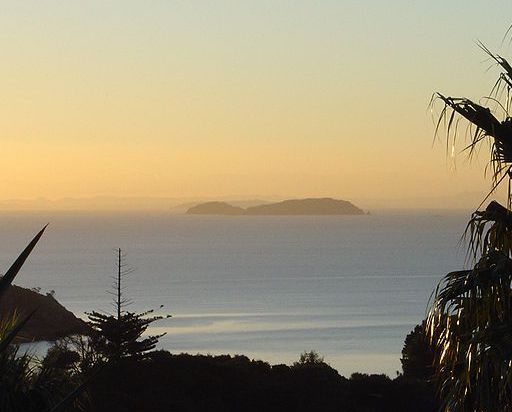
(269, 287)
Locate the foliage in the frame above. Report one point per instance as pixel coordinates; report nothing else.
(418, 355)
(484, 122)
(183, 382)
(470, 320)
(25, 385)
(61, 357)
(470, 324)
(18, 375)
(120, 335)
(115, 337)
(309, 358)
(73, 356)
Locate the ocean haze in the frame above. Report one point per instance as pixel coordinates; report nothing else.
(349, 287)
(179, 205)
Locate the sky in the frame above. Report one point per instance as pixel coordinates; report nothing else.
(241, 99)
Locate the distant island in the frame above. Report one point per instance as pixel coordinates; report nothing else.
(297, 207)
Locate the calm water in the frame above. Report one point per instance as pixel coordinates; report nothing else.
(349, 287)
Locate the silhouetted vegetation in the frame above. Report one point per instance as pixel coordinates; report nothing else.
(25, 385)
(115, 338)
(166, 382)
(308, 359)
(120, 335)
(470, 321)
(418, 355)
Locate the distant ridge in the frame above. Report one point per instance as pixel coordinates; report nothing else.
(215, 208)
(302, 207)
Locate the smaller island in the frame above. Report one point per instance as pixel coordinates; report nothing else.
(293, 207)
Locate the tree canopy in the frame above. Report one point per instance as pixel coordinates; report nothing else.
(120, 335)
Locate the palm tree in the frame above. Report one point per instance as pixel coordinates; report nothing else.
(470, 319)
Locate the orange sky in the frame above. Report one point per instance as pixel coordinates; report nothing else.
(238, 99)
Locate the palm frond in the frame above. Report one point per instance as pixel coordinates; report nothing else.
(11, 273)
(487, 231)
(470, 325)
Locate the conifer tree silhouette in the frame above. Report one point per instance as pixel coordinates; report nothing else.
(119, 335)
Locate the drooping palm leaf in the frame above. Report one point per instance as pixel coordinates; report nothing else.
(482, 121)
(487, 231)
(470, 325)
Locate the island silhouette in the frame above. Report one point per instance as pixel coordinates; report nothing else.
(302, 207)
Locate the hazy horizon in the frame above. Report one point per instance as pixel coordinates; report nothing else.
(459, 201)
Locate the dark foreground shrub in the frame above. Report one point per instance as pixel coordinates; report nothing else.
(166, 382)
